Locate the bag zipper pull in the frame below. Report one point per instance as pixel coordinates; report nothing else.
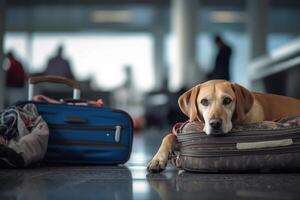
(118, 133)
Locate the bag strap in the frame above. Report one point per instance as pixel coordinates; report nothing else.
(177, 128)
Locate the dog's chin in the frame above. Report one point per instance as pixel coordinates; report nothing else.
(215, 132)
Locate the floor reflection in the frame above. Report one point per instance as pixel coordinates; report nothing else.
(132, 181)
(226, 186)
(81, 182)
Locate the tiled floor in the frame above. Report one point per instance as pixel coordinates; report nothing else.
(131, 181)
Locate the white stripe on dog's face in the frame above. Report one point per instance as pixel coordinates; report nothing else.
(216, 102)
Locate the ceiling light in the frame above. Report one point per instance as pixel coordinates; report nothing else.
(110, 16)
(227, 17)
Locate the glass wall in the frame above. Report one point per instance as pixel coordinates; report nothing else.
(100, 57)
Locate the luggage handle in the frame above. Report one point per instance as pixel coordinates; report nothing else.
(75, 120)
(75, 101)
(52, 79)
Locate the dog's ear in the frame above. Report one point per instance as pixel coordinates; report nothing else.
(188, 104)
(244, 102)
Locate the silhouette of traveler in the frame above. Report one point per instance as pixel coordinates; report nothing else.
(59, 66)
(222, 62)
(15, 73)
(129, 98)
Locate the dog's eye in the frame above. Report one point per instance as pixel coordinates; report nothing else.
(204, 102)
(226, 101)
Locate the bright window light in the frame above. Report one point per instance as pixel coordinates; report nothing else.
(101, 57)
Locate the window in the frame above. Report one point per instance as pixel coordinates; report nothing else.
(99, 56)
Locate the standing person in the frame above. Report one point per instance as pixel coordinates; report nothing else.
(222, 61)
(15, 79)
(15, 73)
(129, 98)
(59, 66)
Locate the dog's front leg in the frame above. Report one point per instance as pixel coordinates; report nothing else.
(160, 160)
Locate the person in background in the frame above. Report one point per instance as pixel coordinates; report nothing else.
(59, 66)
(15, 79)
(222, 61)
(128, 97)
(15, 74)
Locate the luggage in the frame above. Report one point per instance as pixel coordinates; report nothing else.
(23, 136)
(261, 146)
(83, 134)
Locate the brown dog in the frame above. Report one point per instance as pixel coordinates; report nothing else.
(220, 104)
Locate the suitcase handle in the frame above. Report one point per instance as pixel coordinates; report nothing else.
(75, 101)
(53, 79)
(76, 120)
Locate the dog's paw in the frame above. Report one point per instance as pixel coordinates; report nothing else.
(157, 164)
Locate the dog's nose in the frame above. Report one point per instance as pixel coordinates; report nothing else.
(215, 123)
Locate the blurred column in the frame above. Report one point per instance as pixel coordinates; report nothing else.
(29, 53)
(258, 27)
(158, 59)
(160, 72)
(2, 76)
(184, 27)
(29, 39)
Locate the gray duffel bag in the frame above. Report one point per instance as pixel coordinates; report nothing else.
(258, 147)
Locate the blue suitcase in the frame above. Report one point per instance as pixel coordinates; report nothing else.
(84, 134)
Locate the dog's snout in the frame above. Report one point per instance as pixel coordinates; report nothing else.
(215, 123)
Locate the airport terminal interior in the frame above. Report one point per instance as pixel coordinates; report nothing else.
(140, 56)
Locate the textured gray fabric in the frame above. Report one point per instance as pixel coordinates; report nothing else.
(199, 152)
(31, 140)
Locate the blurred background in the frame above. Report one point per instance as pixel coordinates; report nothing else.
(140, 55)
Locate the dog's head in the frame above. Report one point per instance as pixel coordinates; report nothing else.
(217, 103)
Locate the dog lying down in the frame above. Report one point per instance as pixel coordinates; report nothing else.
(220, 104)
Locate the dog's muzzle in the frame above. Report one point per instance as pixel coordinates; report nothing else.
(216, 126)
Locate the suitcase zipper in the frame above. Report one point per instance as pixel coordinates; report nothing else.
(193, 136)
(283, 150)
(117, 128)
(231, 144)
(190, 145)
(228, 150)
(85, 143)
(88, 128)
